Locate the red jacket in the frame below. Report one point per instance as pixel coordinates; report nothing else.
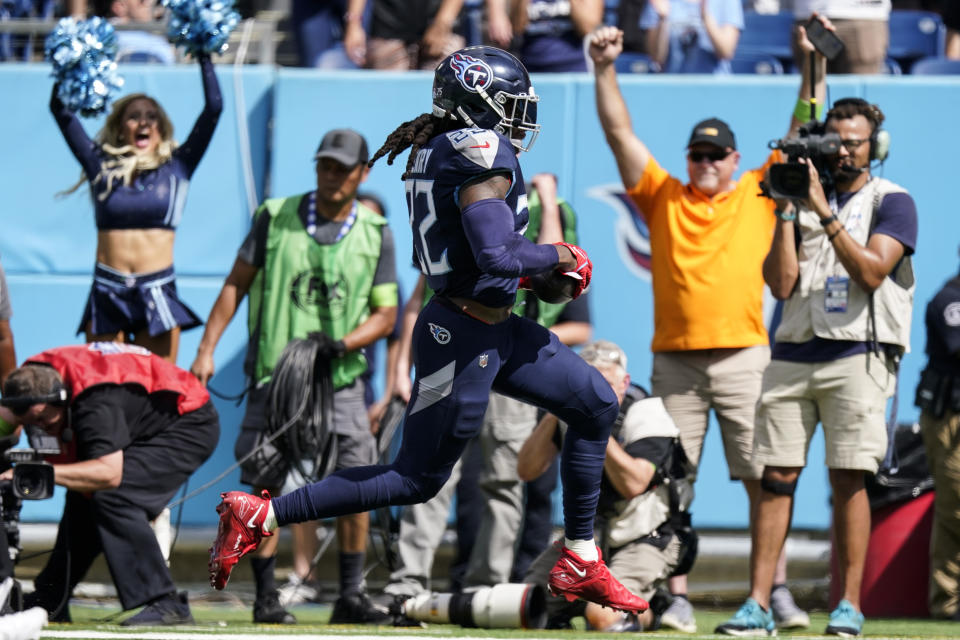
(88, 365)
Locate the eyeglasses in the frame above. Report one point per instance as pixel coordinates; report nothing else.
(593, 353)
(852, 144)
(712, 156)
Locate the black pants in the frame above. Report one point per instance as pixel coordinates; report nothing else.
(117, 521)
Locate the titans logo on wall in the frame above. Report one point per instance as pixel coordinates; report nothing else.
(630, 230)
(472, 73)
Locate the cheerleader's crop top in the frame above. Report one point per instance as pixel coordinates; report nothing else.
(154, 199)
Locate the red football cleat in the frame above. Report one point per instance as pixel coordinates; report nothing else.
(572, 578)
(239, 532)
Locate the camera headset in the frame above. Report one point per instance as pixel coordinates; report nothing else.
(879, 137)
(58, 395)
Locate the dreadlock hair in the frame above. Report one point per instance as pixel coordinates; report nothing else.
(414, 134)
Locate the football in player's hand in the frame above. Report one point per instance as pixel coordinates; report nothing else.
(554, 286)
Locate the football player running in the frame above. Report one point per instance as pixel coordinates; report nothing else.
(465, 192)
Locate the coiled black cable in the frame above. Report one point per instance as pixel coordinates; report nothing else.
(303, 375)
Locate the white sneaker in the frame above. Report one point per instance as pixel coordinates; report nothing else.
(296, 591)
(785, 611)
(25, 625)
(679, 616)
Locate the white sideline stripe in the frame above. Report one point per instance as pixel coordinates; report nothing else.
(212, 633)
(172, 635)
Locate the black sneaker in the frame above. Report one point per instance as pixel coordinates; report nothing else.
(358, 608)
(268, 610)
(659, 603)
(48, 602)
(168, 610)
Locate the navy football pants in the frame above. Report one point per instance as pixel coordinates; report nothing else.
(458, 360)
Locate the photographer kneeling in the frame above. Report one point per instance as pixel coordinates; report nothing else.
(133, 428)
(644, 497)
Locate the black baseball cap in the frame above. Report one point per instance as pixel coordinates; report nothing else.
(713, 131)
(346, 146)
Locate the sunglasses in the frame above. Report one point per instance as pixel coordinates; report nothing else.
(712, 156)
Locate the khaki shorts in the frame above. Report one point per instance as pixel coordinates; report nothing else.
(356, 445)
(847, 396)
(725, 380)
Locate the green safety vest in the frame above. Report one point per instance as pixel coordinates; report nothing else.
(306, 286)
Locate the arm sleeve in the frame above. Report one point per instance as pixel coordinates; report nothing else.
(85, 150)
(497, 248)
(6, 311)
(197, 142)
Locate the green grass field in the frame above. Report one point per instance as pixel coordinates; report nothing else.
(233, 620)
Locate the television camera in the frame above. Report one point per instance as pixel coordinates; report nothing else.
(791, 179)
(33, 479)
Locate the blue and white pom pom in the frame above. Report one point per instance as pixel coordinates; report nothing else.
(201, 26)
(83, 55)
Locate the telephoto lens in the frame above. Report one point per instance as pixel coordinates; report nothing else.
(502, 606)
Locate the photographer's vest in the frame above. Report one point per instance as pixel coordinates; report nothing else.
(84, 366)
(544, 313)
(306, 286)
(805, 313)
(641, 515)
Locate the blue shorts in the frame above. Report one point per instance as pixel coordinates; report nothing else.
(131, 302)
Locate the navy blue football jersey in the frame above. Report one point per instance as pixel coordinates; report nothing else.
(440, 247)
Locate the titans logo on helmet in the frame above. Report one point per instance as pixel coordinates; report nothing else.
(472, 73)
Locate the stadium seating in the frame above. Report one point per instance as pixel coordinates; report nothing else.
(758, 63)
(934, 66)
(915, 35)
(629, 62)
(891, 68)
(767, 34)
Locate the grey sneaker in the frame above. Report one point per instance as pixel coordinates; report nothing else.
(786, 613)
(679, 616)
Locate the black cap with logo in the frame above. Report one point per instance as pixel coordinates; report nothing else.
(713, 131)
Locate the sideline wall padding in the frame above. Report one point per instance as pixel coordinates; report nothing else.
(47, 244)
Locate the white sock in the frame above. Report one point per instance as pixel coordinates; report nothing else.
(586, 549)
(270, 522)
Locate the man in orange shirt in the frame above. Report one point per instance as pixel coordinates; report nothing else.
(708, 240)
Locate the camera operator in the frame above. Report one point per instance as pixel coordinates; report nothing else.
(132, 428)
(644, 496)
(840, 260)
(938, 396)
